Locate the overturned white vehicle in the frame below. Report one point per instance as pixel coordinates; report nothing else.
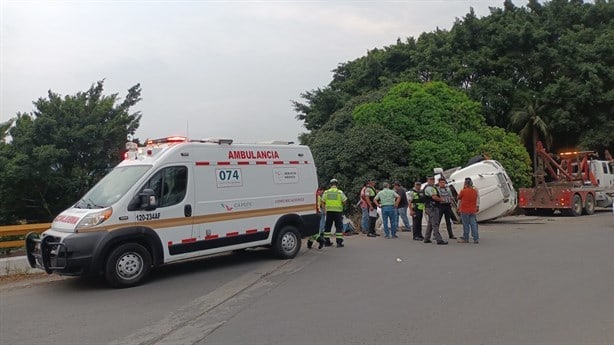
(497, 194)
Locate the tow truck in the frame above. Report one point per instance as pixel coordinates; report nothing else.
(573, 183)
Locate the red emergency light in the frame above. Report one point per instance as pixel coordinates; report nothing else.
(167, 140)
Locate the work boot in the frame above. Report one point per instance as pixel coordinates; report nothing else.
(327, 242)
(320, 243)
(340, 243)
(309, 244)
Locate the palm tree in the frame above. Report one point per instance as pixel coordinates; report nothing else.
(532, 125)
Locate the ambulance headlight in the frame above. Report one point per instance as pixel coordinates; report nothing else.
(95, 218)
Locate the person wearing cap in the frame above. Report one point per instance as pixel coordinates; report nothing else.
(445, 206)
(333, 200)
(432, 212)
(469, 205)
(402, 208)
(367, 193)
(388, 201)
(416, 210)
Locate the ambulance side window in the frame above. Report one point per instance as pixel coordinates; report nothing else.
(169, 185)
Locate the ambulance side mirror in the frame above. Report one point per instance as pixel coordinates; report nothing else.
(148, 200)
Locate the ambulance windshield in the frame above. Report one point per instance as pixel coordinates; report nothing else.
(112, 187)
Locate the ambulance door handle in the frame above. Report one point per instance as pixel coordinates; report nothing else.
(187, 210)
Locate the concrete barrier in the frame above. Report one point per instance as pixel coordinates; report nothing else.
(16, 265)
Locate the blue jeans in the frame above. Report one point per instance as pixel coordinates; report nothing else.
(470, 221)
(389, 214)
(403, 215)
(364, 221)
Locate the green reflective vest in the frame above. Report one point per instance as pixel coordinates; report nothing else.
(416, 198)
(333, 199)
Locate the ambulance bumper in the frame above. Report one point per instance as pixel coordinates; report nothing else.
(70, 256)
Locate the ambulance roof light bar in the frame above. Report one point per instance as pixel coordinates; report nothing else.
(215, 141)
(276, 142)
(167, 140)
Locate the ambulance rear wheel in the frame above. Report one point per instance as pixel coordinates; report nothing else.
(288, 242)
(589, 204)
(127, 265)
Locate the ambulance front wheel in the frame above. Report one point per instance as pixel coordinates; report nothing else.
(127, 265)
(288, 242)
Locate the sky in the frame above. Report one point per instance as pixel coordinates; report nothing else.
(207, 69)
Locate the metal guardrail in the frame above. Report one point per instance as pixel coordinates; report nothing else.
(19, 230)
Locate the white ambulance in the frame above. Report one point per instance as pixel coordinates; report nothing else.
(176, 199)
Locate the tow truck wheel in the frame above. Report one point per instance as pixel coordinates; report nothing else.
(127, 265)
(589, 204)
(576, 205)
(288, 242)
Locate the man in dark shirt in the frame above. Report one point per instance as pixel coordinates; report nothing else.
(445, 206)
(432, 211)
(402, 209)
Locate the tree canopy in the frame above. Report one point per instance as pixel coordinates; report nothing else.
(406, 132)
(50, 157)
(561, 53)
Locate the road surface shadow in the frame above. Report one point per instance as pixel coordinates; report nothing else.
(211, 263)
(519, 220)
(184, 268)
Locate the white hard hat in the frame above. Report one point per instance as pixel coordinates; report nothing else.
(334, 181)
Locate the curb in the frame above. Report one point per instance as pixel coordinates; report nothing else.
(16, 265)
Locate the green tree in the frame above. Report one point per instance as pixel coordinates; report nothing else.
(532, 126)
(361, 152)
(437, 121)
(562, 51)
(506, 148)
(4, 129)
(405, 132)
(61, 149)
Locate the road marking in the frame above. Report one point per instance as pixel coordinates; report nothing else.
(157, 332)
(192, 323)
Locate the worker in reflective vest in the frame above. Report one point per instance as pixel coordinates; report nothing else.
(333, 200)
(416, 210)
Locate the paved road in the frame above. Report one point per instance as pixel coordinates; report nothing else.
(530, 281)
(78, 311)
